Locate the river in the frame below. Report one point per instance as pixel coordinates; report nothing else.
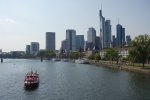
(70, 81)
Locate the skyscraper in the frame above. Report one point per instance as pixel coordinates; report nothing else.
(97, 43)
(123, 36)
(105, 32)
(91, 35)
(50, 41)
(79, 42)
(102, 29)
(113, 41)
(120, 35)
(71, 38)
(107, 35)
(64, 45)
(128, 40)
(27, 49)
(34, 48)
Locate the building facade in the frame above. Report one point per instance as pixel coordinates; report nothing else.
(102, 29)
(64, 45)
(107, 35)
(80, 42)
(27, 49)
(105, 32)
(97, 43)
(128, 40)
(91, 35)
(71, 38)
(120, 33)
(50, 41)
(34, 48)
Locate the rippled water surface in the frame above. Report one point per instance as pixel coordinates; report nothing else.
(69, 81)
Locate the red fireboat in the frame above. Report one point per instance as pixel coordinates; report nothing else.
(31, 80)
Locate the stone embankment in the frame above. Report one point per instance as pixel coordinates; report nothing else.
(122, 67)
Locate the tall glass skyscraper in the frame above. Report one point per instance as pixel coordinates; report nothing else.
(107, 35)
(102, 29)
(128, 40)
(105, 32)
(34, 48)
(120, 33)
(91, 35)
(80, 42)
(50, 41)
(71, 38)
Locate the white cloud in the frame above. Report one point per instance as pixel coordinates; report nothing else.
(7, 21)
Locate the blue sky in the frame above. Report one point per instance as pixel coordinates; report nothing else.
(24, 21)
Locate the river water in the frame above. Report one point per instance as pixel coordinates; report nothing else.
(70, 81)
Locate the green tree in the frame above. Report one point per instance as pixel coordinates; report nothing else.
(97, 56)
(50, 54)
(91, 57)
(74, 55)
(141, 46)
(112, 54)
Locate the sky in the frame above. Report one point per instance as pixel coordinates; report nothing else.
(26, 21)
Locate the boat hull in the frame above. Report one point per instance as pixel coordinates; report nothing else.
(31, 85)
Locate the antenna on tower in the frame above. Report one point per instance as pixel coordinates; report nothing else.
(118, 20)
(101, 6)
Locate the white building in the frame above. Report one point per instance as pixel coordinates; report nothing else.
(123, 52)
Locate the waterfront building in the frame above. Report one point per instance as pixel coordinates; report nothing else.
(64, 45)
(120, 33)
(123, 36)
(34, 48)
(80, 42)
(105, 32)
(113, 41)
(27, 49)
(128, 40)
(71, 38)
(0, 51)
(122, 52)
(50, 41)
(102, 29)
(107, 35)
(97, 43)
(88, 46)
(91, 35)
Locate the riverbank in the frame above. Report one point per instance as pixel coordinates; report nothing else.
(122, 67)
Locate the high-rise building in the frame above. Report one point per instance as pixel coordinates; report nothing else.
(50, 41)
(105, 32)
(120, 35)
(113, 41)
(64, 45)
(123, 36)
(34, 48)
(71, 38)
(27, 49)
(79, 42)
(88, 46)
(91, 35)
(128, 39)
(102, 29)
(107, 35)
(97, 43)
(0, 51)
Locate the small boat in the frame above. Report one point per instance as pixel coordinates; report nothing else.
(31, 80)
(82, 61)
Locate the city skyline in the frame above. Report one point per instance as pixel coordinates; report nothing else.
(24, 21)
